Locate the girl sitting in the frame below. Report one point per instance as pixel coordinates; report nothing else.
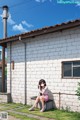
(44, 95)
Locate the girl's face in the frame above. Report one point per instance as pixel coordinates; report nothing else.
(42, 84)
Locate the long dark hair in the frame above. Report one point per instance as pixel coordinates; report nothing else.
(40, 82)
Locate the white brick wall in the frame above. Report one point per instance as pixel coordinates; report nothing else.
(44, 55)
(17, 75)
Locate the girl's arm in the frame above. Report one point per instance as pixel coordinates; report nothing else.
(43, 91)
(40, 91)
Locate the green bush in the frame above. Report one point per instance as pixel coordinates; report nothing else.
(78, 91)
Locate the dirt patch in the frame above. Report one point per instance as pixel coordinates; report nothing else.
(12, 118)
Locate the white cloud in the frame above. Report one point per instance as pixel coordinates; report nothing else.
(27, 24)
(38, 0)
(19, 28)
(10, 20)
(78, 4)
(77, 1)
(42, 0)
(1, 15)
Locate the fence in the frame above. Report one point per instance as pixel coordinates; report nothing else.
(60, 95)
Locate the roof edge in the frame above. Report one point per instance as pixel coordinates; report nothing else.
(38, 32)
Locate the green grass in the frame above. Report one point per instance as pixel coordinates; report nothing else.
(21, 117)
(9, 106)
(5, 106)
(55, 114)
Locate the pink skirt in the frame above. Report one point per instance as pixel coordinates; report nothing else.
(46, 98)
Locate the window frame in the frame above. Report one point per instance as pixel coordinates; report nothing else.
(62, 70)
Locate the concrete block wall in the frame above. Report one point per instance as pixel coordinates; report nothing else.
(70, 102)
(44, 55)
(5, 98)
(15, 78)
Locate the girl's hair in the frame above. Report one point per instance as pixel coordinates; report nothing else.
(40, 82)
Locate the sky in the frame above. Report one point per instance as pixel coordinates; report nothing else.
(27, 15)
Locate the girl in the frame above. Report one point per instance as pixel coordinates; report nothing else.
(44, 95)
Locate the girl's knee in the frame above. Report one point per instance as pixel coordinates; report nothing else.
(41, 97)
(38, 98)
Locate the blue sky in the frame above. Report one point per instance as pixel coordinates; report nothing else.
(27, 15)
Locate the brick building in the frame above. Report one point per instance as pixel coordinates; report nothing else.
(51, 53)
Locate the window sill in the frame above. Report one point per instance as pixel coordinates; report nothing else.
(70, 77)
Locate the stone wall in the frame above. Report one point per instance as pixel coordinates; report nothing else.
(5, 97)
(44, 55)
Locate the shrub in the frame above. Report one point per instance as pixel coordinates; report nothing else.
(78, 91)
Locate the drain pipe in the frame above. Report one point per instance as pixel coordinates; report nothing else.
(25, 84)
(10, 70)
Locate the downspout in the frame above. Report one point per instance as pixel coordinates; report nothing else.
(25, 79)
(25, 76)
(10, 70)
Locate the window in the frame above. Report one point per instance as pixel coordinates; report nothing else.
(71, 69)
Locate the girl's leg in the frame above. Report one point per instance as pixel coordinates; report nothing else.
(35, 104)
(42, 99)
(36, 101)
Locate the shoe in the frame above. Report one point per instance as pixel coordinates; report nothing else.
(42, 110)
(31, 109)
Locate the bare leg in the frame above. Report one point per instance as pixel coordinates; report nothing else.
(35, 104)
(42, 101)
(36, 101)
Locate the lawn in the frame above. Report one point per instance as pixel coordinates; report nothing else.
(4, 106)
(21, 117)
(54, 114)
(10, 106)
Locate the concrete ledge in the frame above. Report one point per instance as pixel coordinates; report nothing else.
(5, 97)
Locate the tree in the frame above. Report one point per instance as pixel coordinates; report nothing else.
(78, 91)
